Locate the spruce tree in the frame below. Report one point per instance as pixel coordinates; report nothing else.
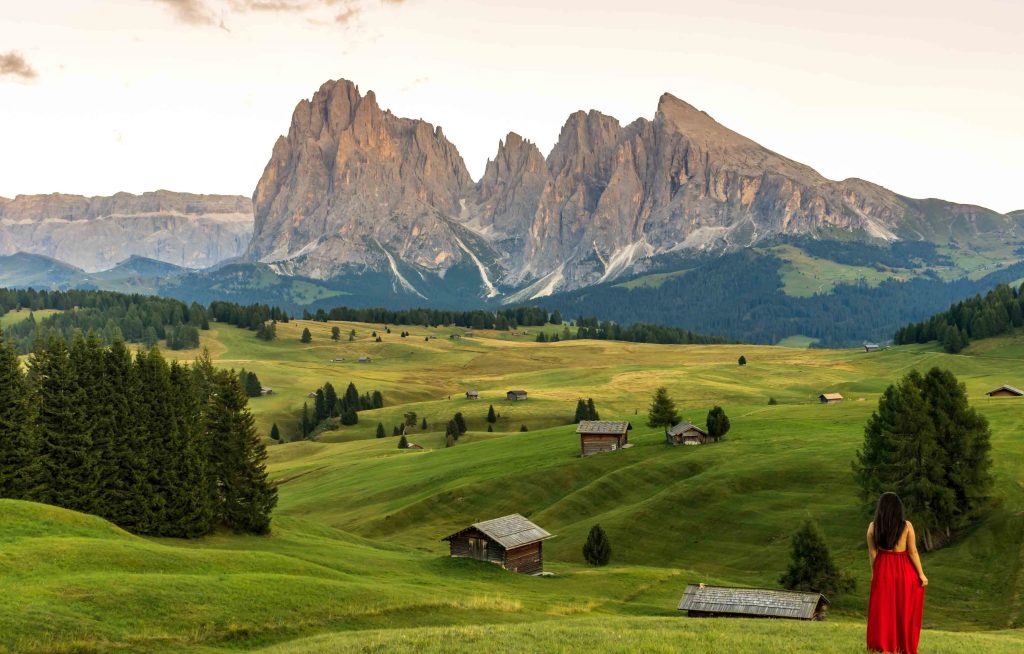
(275, 433)
(320, 410)
(490, 428)
(449, 440)
(717, 423)
(743, 360)
(335, 333)
(17, 421)
(306, 336)
(380, 430)
(349, 417)
(424, 425)
(592, 410)
(304, 425)
(331, 400)
(377, 401)
(811, 567)
(190, 498)
(460, 423)
(663, 410)
(403, 443)
(352, 398)
(238, 460)
(523, 428)
(581, 411)
(491, 417)
(597, 551)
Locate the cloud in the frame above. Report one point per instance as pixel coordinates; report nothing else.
(13, 63)
(205, 13)
(192, 12)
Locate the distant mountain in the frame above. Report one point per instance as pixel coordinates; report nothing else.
(353, 190)
(97, 233)
(22, 270)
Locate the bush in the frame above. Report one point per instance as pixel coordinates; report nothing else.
(597, 550)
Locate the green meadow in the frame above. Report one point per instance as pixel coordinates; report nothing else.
(355, 561)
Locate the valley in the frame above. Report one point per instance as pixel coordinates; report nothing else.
(355, 562)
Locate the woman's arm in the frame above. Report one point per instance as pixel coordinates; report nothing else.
(872, 550)
(915, 558)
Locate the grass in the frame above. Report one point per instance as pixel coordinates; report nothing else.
(15, 316)
(355, 561)
(797, 341)
(653, 280)
(803, 275)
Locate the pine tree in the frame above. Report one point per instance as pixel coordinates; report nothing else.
(597, 550)
(126, 469)
(592, 410)
(238, 460)
(460, 423)
(275, 433)
(306, 336)
(663, 410)
(449, 440)
(523, 428)
(491, 418)
(320, 410)
(17, 421)
(305, 426)
(335, 333)
(717, 423)
(352, 335)
(811, 567)
(331, 401)
(490, 428)
(424, 425)
(253, 387)
(380, 430)
(190, 500)
(377, 400)
(403, 443)
(581, 411)
(743, 360)
(352, 398)
(349, 417)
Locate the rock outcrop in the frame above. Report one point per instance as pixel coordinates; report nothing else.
(353, 187)
(97, 233)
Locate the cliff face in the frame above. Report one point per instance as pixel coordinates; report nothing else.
(352, 185)
(96, 233)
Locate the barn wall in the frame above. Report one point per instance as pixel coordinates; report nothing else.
(459, 546)
(594, 443)
(528, 559)
(1004, 393)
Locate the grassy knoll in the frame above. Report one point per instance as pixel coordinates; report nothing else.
(18, 315)
(355, 563)
(804, 275)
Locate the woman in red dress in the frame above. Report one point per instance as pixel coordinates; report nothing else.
(897, 580)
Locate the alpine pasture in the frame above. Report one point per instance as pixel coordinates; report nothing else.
(355, 561)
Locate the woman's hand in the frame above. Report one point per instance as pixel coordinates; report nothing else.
(924, 581)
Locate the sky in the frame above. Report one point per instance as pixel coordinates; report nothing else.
(925, 97)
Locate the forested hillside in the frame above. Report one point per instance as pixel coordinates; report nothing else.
(1001, 310)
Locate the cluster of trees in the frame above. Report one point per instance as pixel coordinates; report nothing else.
(456, 427)
(662, 413)
(328, 404)
(250, 383)
(585, 410)
(739, 296)
(156, 448)
(929, 446)
(477, 319)
(899, 254)
(183, 337)
(606, 330)
(999, 311)
(267, 331)
(247, 316)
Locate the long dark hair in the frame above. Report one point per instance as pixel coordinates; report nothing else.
(888, 521)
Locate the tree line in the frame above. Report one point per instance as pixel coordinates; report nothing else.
(328, 404)
(999, 311)
(476, 319)
(156, 448)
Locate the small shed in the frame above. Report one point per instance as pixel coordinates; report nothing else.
(1005, 391)
(830, 398)
(512, 541)
(266, 391)
(721, 601)
(872, 347)
(472, 395)
(311, 394)
(602, 436)
(365, 359)
(338, 360)
(515, 396)
(687, 433)
(413, 446)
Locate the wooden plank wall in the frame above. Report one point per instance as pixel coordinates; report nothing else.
(528, 559)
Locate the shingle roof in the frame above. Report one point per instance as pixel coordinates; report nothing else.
(831, 396)
(751, 601)
(603, 427)
(509, 531)
(1006, 387)
(684, 427)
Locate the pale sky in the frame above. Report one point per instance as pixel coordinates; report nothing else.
(925, 97)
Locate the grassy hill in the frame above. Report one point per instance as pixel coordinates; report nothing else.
(355, 561)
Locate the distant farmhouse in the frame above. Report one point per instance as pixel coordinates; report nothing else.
(365, 359)
(266, 391)
(720, 601)
(515, 396)
(1005, 391)
(472, 395)
(338, 360)
(602, 436)
(512, 541)
(872, 347)
(830, 398)
(687, 433)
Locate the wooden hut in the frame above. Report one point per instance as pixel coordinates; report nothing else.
(512, 541)
(720, 601)
(1005, 391)
(365, 359)
(472, 395)
(687, 433)
(872, 347)
(602, 435)
(515, 396)
(266, 391)
(830, 398)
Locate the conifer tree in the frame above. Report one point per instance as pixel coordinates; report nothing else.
(581, 411)
(490, 428)
(320, 410)
(349, 417)
(275, 433)
(460, 423)
(352, 398)
(403, 443)
(449, 440)
(743, 360)
(491, 417)
(190, 500)
(811, 567)
(331, 400)
(717, 423)
(380, 430)
(306, 336)
(663, 410)
(335, 333)
(592, 410)
(377, 401)
(17, 420)
(238, 460)
(523, 428)
(304, 425)
(424, 425)
(597, 551)
(125, 467)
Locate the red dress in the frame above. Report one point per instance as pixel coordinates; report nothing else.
(895, 606)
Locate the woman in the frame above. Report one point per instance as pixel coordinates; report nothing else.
(897, 580)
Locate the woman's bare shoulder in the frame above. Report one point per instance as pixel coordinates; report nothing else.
(871, 527)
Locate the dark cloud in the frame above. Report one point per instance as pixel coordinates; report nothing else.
(13, 63)
(193, 12)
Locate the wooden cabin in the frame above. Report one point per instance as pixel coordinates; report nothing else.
(365, 359)
(687, 433)
(721, 601)
(602, 436)
(413, 446)
(515, 396)
(266, 391)
(1005, 391)
(872, 347)
(472, 395)
(830, 398)
(338, 360)
(512, 541)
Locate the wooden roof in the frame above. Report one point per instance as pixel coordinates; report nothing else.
(518, 392)
(751, 601)
(831, 396)
(509, 531)
(603, 427)
(684, 427)
(1006, 387)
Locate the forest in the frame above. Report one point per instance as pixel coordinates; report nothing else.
(999, 311)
